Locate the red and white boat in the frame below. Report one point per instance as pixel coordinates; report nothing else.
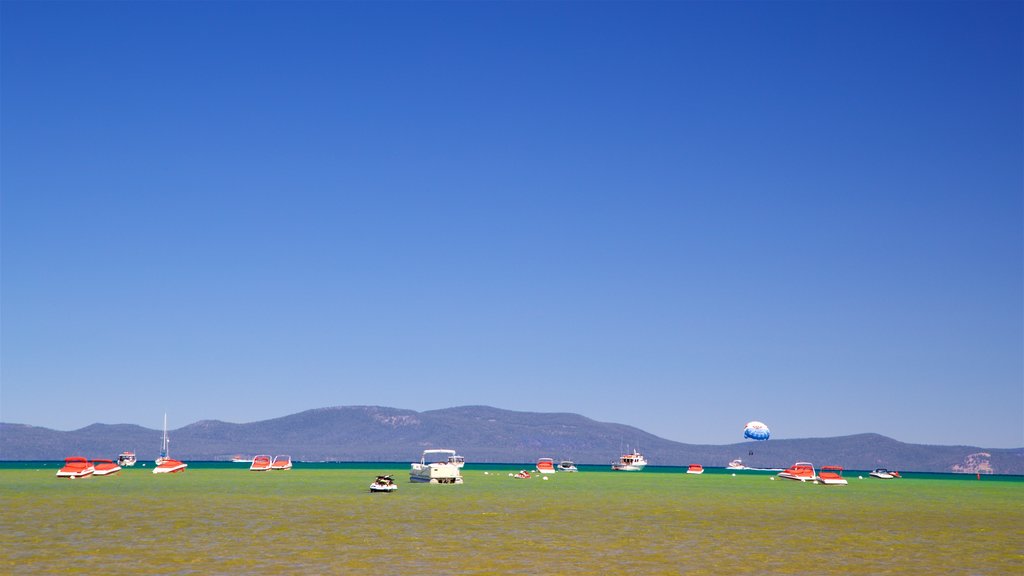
(695, 469)
(76, 467)
(260, 463)
(282, 463)
(522, 474)
(104, 467)
(802, 471)
(165, 464)
(831, 476)
(169, 466)
(546, 466)
(633, 462)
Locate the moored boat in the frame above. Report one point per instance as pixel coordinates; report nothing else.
(831, 476)
(103, 467)
(126, 459)
(456, 460)
(76, 467)
(632, 462)
(440, 471)
(384, 484)
(165, 464)
(802, 471)
(736, 464)
(239, 459)
(522, 475)
(261, 463)
(567, 466)
(883, 473)
(169, 466)
(281, 462)
(546, 466)
(695, 469)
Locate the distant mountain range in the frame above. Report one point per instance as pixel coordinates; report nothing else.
(483, 435)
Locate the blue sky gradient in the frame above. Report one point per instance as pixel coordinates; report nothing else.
(678, 215)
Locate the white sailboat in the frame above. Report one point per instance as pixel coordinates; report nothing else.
(165, 464)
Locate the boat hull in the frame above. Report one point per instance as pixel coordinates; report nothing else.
(170, 467)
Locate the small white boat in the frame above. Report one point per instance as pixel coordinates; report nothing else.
(546, 466)
(456, 460)
(567, 466)
(802, 471)
(695, 469)
(440, 470)
(736, 464)
(103, 467)
(383, 484)
(76, 467)
(261, 463)
(282, 463)
(126, 459)
(239, 459)
(831, 476)
(632, 462)
(883, 473)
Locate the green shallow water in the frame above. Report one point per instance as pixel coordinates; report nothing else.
(321, 519)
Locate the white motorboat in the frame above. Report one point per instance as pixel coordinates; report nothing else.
(567, 466)
(736, 464)
(632, 462)
(436, 467)
(456, 460)
(883, 473)
(126, 459)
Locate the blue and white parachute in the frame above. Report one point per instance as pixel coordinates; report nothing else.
(756, 431)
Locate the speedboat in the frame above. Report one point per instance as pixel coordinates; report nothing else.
(383, 484)
(260, 463)
(440, 471)
(104, 467)
(632, 462)
(831, 476)
(884, 474)
(456, 460)
(736, 464)
(522, 474)
(567, 466)
(282, 463)
(126, 459)
(802, 471)
(76, 467)
(169, 466)
(239, 459)
(546, 466)
(695, 469)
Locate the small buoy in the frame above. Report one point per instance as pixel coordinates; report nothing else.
(486, 473)
(770, 477)
(860, 477)
(733, 474)
(544, 477)
(510, 474)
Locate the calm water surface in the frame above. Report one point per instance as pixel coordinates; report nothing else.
(320, 519)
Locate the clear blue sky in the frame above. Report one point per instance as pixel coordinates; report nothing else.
(679, 216)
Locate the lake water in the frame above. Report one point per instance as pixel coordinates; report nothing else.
(319, 518)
